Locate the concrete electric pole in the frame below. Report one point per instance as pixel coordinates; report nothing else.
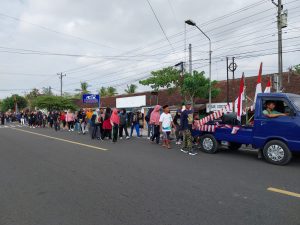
(190, 59)
(281, 23)
(61, 75)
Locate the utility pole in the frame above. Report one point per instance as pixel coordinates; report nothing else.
(227, 80)
(190, 59)
(61, 75)
(281, 23)
(232, 67)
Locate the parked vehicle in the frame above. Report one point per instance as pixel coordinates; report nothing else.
(277, 138)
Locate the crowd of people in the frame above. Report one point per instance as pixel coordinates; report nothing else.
(113, 124)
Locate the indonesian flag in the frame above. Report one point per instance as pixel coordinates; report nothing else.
(240, 99)
(268, 87)
(235, 129)
(258, 85)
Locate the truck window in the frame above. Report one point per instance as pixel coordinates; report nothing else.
(281, 106)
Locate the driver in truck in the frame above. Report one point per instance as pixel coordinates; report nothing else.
(270, 112)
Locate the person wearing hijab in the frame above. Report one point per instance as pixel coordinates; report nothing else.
(115, 121)
(154, 121)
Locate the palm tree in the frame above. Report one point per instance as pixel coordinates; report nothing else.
(103, 92)
(83, 88)
(111, 91)
(107, 92)
(131, 89)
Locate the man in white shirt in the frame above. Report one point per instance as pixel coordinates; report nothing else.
(166, 123)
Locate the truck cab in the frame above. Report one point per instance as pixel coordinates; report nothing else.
(277, 138)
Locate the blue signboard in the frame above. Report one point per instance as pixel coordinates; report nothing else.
(91, 99)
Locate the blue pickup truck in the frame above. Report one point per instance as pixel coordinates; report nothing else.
(276, 138)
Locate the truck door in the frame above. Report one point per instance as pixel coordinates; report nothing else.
(282, 127)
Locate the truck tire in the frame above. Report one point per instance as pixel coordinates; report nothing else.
(277, 152)
(234, 146)
(209, 144)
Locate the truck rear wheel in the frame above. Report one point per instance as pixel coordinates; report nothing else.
(277, 152)
(209, 144)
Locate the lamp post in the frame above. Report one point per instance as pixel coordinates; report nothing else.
(192, 23)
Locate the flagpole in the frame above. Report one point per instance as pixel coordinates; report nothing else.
(246, 100)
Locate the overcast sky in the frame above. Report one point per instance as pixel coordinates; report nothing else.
(115, 43)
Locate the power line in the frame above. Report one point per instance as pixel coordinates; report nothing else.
(162, 29)
(54, 31)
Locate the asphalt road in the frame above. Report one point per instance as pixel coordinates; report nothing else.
(46, 181)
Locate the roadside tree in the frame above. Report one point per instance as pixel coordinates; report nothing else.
(190, 86)
(53, 103)
(9, 103)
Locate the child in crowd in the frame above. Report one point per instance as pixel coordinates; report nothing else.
(166, 123)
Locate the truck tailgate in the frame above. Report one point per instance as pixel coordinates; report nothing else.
(244, 135)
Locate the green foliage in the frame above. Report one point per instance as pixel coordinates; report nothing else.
(190, 86)
(83, 88)
(47, 91)
(9, 103)
(31, 96)
(131, 89)
(164, 78)
(103, 92)
(111, 91)
(108, 92)
(297, 68)
(53, 103)
(197, 86)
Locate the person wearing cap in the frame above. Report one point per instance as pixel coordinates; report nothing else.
(186, 121)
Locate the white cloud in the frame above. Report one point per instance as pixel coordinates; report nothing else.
(110, 28)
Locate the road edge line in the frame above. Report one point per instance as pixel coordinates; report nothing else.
(61, 139)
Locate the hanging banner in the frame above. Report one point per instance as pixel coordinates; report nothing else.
(91, 99)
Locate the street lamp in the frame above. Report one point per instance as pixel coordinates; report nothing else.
(192, 23)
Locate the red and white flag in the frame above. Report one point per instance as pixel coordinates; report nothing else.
(240, 99)
(268, 87)
(258, 85)
(235, 130)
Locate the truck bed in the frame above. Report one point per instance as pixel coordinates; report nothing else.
(243, 136)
